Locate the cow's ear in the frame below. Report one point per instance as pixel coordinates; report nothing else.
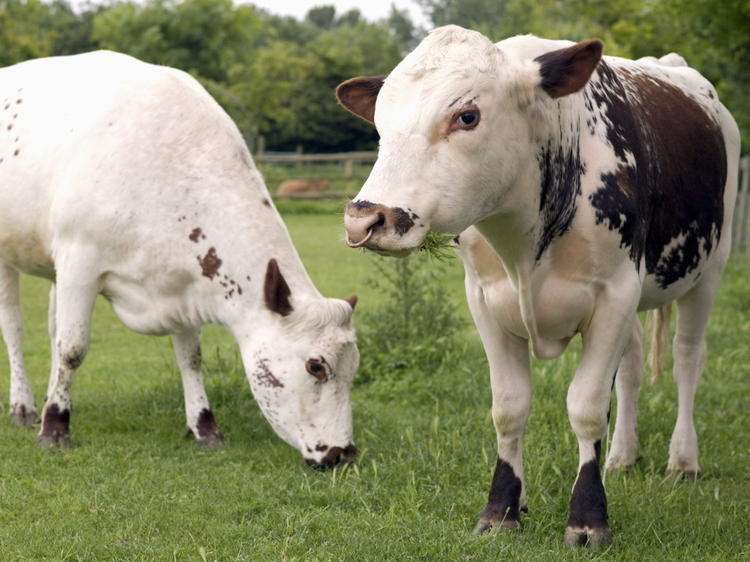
(276, 291)
(567, 70)
(359, 95)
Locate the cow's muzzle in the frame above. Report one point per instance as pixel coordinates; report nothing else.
(335, 456)
(368, 224)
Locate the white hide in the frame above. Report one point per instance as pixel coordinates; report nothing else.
(128, 180)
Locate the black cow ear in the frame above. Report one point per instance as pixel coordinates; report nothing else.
(359, 95)
(276, 291)
(567, 70)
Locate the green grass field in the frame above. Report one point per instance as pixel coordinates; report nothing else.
(133, 488)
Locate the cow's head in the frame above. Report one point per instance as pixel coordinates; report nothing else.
(300, 366)
(456, 121)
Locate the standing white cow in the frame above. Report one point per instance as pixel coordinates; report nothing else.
(127, 179)
(597, 187)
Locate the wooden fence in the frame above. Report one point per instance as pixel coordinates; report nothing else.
(741, 223)
(348, 168)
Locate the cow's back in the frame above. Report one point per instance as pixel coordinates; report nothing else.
(93, 144)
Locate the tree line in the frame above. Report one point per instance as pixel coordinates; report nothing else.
(275, 75)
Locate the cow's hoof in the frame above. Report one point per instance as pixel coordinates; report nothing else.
(621, 462)
(24, 417)
(675, 476)
(211, 441)
(61, 440)
(577, 536)
(506, 525)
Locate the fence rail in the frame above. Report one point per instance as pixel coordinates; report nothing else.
(741, 222)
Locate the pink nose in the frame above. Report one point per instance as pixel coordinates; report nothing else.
(365, 222)
(361, 223)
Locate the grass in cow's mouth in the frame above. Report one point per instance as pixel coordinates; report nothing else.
(438, 245)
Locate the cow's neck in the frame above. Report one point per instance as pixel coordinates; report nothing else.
(237, 285)
(544, 205)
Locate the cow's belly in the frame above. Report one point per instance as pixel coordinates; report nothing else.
(24, 244)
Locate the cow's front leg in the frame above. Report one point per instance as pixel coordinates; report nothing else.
(74, 302)
(200, 419)
(588, 406)
(508, 358)
(22, 408)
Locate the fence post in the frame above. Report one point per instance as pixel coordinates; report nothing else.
(744, 205)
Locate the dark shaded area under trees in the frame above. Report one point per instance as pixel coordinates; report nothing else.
(275, 75)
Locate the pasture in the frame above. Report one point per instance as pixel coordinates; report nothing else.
(133, 488)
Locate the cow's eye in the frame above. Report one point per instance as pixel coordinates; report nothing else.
(466, 120)
(316, 368)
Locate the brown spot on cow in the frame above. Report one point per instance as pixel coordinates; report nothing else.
(266, 202)
(196, 234)
(16, 152)
(210, 263)
(265, 377)
(19, 100)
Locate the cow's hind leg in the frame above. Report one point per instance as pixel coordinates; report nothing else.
(22, 408)
(689, 351)
(74, 302)
(624, 449)
(200, 419)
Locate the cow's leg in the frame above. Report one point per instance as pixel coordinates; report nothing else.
(22, 408)
(508, 359)
(588, 401)
(52, 332)
(200, 419)
(689, 351)
(623, 451)
(74, 303)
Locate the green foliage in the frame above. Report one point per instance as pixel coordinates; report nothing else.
(415, 327)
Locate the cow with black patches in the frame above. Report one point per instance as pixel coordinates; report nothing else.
(584, 188)
(133, 183)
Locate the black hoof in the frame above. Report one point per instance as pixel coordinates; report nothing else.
(576, 536)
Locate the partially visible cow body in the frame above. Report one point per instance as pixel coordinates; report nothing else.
(596, 187)
(295, 186)
(127, 179)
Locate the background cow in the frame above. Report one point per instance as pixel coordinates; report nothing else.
(126, 179)
(597, 187)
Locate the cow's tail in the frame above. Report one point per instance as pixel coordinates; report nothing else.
(659, 321)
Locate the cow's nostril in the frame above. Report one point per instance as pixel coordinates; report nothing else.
(380, 222)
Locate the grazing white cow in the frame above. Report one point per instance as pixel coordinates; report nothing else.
(127, 179)
(596, 187)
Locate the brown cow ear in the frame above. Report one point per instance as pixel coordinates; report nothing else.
(276, 291)
(359, 95)
(352, 301)
(567, 70)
